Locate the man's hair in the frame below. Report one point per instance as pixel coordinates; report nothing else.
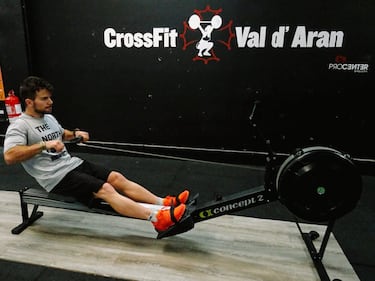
(33, 84)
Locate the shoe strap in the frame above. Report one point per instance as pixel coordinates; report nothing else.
(173, 218)
(178, 202)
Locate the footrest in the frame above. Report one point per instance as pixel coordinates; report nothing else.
(186, 223)
(192, 200)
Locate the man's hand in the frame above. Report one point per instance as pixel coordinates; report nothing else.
(54, 145)
(69, 135)
(85, 135)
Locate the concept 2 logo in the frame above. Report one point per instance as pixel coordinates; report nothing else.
(201, 26)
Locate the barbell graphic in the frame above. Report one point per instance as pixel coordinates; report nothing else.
(195, 21)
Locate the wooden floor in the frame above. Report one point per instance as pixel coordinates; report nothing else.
(225, 248)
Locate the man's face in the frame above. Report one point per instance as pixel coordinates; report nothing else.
(42, 104)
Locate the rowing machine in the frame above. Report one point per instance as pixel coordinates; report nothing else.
(318, 184)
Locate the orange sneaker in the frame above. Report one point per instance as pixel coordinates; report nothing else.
(167, 217)
(175, 201)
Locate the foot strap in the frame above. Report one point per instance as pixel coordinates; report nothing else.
(177, 201)
(171, 211)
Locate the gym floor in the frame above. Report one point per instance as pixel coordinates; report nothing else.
(354, 232)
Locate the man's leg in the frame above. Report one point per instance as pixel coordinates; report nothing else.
(132, 190)
(140, 194)
(162, 219)
(121, 204)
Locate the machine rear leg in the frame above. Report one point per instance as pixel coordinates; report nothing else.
(26, 219)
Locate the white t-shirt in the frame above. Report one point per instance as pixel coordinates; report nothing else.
(48, 168)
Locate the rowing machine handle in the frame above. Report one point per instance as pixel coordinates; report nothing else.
(71, 141)
(74, 140)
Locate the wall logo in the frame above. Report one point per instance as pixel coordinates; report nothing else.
(200, 27)
(208, 34)
(342, 64)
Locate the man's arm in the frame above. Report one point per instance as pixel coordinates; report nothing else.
(68, 135)
(21, 153)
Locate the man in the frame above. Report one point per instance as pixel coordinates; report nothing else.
(35, 140)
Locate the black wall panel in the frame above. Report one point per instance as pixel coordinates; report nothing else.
(13, 53)
(310, 94)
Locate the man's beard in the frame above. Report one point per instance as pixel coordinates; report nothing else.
(42, 111)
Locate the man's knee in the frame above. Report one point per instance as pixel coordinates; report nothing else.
(105, 191)
(115, 177)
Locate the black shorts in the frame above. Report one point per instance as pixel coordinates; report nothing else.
(82, 182)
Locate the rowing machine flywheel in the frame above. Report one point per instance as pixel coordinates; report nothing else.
(318, 184)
